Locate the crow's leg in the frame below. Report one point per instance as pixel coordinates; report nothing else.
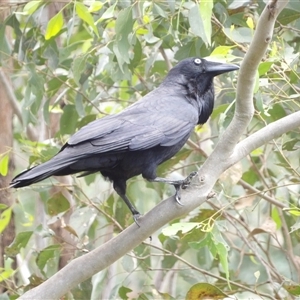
(177, 184)
(120, 188)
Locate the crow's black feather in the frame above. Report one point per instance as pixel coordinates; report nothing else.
(144, 135)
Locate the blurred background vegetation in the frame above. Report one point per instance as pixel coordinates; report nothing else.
(66, 63)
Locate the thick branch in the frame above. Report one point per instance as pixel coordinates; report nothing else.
(89, 264)
(264, 135)
(246, 80)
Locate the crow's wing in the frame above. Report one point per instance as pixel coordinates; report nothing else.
(139, 128)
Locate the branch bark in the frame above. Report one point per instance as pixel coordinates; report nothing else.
(227, 152)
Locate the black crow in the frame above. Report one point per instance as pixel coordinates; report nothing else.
(141, 137)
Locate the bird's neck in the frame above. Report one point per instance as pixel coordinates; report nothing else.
(199, 92)
(205, 104)
(201, 96)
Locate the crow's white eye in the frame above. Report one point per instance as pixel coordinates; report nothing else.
(197, 61)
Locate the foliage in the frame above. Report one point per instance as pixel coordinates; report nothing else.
(94, 58)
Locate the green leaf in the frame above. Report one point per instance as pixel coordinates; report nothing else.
(290, 145)
(276, 112)
(221, 109)
(95, 6)
(13, 21)
(257, 152)
(138, 54)
(259, 102)
(65, 53)
(222, 251)
(205, 9)
(159, 11)
(123, 290)
(68, 120)
(3, 206)
(5, 219)
(288, 15)
(206, 241)
(51, 54)
(204, 291)
(6, 273)
(20, 241)
(47, 254)
(221, 51)
(86, 16)
(78, 67)
(124, 25)
(239, 35)
(293, 289)
(4, 161)
(5, 50)
(217, 246)
(57, 203)
(109, 13)
(293, 211)
(48, 152)
(264, 67)
(187, 50)
(175, 227)
(79, 105)
(124, 22)
(256, 85)
(86, 120)
(55, 84)
(87, 72)
(277, 218)
(250, 23)
(196, 23)
(35, 280)
(296, 226)
(31, 7)
(54, 25)
(34, 93)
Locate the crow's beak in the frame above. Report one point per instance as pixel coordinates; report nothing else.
(216, 68)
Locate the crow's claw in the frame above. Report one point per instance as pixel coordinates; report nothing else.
(183, 184)
(186, 182)
(178, 194)
(136, 216)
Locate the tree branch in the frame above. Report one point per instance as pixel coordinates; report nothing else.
(244, 109)
(261, 137)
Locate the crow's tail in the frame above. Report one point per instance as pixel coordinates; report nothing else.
(56, 166)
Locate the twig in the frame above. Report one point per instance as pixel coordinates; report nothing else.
(233, 283)
(14, 103)
(262, 194)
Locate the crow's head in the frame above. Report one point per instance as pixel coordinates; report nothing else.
(195, 77)
(198, 71)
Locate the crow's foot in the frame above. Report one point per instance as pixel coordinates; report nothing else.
(183, 184)
(136, 216)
